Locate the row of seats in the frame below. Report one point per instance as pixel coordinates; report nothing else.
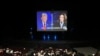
(50, 51)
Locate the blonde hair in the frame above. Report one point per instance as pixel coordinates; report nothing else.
(44, 14)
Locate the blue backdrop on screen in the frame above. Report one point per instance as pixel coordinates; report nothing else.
(39, 21)
(56, 16)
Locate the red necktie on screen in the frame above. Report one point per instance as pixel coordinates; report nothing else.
(44, 26)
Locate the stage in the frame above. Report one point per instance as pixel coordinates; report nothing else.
(24, 43)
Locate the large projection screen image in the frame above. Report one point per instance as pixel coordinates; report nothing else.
(52, 20)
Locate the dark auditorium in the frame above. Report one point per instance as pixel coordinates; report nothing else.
(47, 28)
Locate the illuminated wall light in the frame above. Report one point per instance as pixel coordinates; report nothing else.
(55, 37)
(48, 37)
(31, 33)
(44, 38)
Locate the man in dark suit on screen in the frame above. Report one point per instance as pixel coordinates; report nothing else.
(61, 24)
(44, 21)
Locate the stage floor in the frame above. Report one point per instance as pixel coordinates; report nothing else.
(49, 43)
